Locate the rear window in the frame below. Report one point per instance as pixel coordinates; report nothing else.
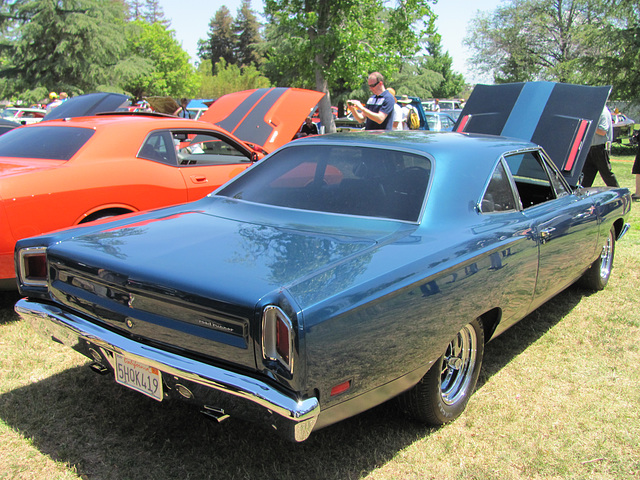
(350, 180)
(49, 143)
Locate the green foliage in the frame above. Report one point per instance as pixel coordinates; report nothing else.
(221, 38)
(452, 83)
(247, 31)
(580, 41)
(237, 41)
(616, 60)
(164, 67)
(334, 44)
(227, 79)
(68, 45)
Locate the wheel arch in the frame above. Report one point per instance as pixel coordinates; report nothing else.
(490, 320)
(103, 211)
(618, 227)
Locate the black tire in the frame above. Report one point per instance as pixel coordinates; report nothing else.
(442, 394)
(598, 274)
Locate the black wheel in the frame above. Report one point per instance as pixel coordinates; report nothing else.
(442, 394)
(597, 276)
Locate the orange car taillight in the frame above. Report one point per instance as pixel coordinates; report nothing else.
(33, 266)
(277, 337)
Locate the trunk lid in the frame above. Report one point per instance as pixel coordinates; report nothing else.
(151, 285)
(560, 117)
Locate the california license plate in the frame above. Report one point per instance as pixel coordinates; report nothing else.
(139, 377)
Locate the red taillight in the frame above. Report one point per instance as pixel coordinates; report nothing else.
(33, 266)
(283, 340)
(277, 337)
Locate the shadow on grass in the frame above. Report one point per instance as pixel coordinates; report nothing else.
(527, 331)
(7, 301)
(106, 431)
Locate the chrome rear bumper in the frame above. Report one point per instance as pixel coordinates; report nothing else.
(211, 387)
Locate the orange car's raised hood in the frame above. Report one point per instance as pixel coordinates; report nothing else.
(267, 117)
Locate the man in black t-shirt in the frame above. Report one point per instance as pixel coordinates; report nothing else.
(378, 113)
(308, 128)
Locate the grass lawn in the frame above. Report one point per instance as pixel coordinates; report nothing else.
(558, 398)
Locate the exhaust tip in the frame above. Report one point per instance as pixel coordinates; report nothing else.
(99, 368)
(214, 413)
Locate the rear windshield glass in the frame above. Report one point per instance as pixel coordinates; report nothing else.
(51, 143)
(350, 180)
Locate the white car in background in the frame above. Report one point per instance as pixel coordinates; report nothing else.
(23, 116)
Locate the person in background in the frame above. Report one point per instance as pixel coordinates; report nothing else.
(308, 128)
(378, 114)
(63, 96)
(436, 105)
(598, 156)
(54, 101)
(397, 111)
(636, 169)
(405, 101)
(182, 111)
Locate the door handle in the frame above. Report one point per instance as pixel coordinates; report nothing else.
(199, 179)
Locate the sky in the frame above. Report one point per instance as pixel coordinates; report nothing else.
(190, 21)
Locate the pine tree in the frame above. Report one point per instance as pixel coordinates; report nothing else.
(247, 31)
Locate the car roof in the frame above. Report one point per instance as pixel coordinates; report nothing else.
(436, 144)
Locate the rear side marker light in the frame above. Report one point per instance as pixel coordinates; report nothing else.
(340, 388)
(33, 266)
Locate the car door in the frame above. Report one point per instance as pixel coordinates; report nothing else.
(565, 224)
(207, 160)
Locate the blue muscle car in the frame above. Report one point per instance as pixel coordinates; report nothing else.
(343, 270)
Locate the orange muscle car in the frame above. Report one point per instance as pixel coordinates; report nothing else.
(66, 171)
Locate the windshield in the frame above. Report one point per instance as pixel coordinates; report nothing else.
(52, 143)
(351, 180)
(9, 112)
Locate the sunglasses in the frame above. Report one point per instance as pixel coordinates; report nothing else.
(374, 85)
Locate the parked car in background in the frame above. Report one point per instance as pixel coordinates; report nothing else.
(439, 122)
(343, 270)
(622, 126)
(449, 104)
(455, 113)
(23, 115)
(69, 171)
(429, 105)
(6, 125)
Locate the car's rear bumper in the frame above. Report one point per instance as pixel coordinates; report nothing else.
(220, 392)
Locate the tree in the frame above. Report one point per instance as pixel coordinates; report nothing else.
(153, 13)
(338, 42)
(228, 78)
(247, 32)
(452, 83)
(170, 73)
(615, 51)
(221, 39)
(535, 39)
(70, 45)
(134, 9)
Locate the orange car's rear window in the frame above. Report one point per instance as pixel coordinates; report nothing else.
(42, 142)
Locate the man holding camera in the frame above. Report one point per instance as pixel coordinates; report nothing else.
(378, 113)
